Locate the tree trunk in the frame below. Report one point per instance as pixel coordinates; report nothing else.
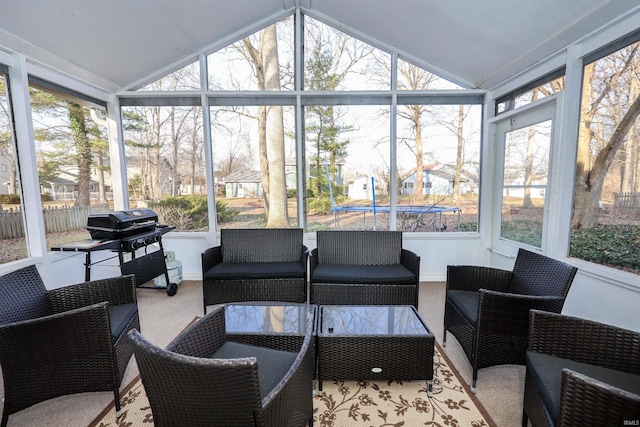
(83, 148)
(278, 217)
(586, 214)
(459, 155)
(417, 123)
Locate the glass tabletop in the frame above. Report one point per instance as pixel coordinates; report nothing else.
(371, 320)
(268, 319)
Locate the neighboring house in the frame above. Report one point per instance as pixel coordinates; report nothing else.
(360, 187)
(5, 174)
(517, 191)
(65, 187)
(244, 184)
(437, 181)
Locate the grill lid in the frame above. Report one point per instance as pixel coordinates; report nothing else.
(119, 224)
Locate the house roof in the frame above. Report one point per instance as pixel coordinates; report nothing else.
(121, 44)
(244, 176)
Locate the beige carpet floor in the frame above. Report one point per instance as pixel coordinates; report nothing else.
(355, 403)
(500, 388)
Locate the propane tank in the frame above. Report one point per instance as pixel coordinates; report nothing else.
(174, 268)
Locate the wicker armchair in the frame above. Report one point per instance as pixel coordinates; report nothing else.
(487, 309)
(203, 379)
(581, 373)
(63, 341)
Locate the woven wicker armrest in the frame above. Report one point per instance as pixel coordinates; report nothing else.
(114, 290)
(585, 341)
(291, 393)
(474, 278)
(505, 313)
(202, 338)
(313, 260)
(587, 401)
(304, 255)
(56, 338)
(411, 261)
(211, 257)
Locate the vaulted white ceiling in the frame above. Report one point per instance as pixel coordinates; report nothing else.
(118, 44)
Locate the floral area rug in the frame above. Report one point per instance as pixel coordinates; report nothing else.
(356, 403)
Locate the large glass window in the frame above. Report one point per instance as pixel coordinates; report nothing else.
(348, 167)
(524, 183)
(335, 61)
(255, 166)
(164, 150)
(12, 236)
(606, 214)
(438, 167)
(73, 162)
(336, 130)
(261, 61)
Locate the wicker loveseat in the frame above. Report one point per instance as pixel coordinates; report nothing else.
(266, 264)
(581, 373)
(363, 268)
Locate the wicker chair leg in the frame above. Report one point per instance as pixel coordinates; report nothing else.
(474, 381)
(430, 388)
(444, 337)
(116, 399)
(525, 420)
(5, 418)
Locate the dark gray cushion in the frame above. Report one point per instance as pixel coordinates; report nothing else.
(360, 274)
(119, 318)
(466, 302)
(546, 372)
(273, 365)
(255, 270)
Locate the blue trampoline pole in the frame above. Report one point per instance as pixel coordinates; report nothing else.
(373, 192)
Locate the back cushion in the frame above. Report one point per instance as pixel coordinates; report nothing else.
(359, 247)
(536, 274)
(23, 296)
(261, 244)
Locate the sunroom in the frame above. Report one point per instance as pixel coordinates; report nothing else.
(521, 122)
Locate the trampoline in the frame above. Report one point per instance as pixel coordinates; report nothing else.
(434, 212)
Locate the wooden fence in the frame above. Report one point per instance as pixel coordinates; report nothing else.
(56, 219)
(627, 200)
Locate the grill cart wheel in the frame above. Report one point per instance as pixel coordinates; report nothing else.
(172, 289)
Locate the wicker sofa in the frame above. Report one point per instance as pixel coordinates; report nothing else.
(363, 268)
(581, 373)
(266, 264)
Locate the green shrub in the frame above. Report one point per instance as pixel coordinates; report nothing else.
(524, 231)
(612, 245)
(189, 212)
(10, 199)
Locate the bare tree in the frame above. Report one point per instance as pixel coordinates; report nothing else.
(266, 66)
(591, 170)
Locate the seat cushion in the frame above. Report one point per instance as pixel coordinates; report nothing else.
(546, 372)
(384, 274)
(119, 317)
(466, 302)
(273, 365)
(255, 270)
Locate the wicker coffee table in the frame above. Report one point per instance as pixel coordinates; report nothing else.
(373, 342)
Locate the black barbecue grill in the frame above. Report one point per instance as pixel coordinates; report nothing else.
(125, 232)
